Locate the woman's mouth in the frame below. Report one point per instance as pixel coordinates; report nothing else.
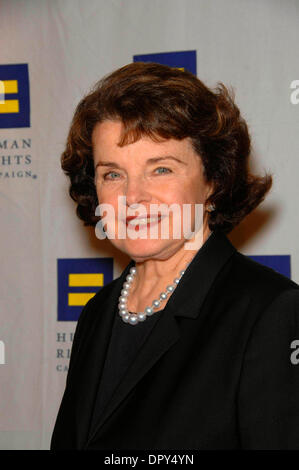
(142, 222)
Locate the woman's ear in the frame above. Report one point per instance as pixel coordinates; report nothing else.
(210, 189)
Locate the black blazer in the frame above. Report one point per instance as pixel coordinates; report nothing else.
(215, 372)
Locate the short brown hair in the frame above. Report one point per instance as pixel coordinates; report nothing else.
(164, 102)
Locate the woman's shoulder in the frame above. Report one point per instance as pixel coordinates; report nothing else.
(97, 303)
(256, 275)
(261, 285)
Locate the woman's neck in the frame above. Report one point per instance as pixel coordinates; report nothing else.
(154, 275)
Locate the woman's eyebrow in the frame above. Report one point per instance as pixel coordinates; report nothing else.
(165, 157)
(149, 161)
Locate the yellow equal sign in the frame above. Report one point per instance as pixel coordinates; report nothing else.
(76, 299)
(7, 87)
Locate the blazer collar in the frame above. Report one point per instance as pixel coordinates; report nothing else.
(186, 301)
(199, 276)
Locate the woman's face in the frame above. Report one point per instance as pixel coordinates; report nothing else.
(146, 172)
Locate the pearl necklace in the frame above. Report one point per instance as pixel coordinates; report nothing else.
(134, 318)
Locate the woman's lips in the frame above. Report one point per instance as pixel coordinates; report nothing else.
(143, 221)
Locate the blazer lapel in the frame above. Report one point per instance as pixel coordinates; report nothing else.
(163, 335)
(185, 301)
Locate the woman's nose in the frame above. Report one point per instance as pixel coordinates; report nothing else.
(136, 191)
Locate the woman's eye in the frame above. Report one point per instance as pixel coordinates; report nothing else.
(110, 173)
(163, 168)
(113, 175)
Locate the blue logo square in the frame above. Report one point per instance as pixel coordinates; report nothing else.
(79, 279)
(182, 59)
(14, 96)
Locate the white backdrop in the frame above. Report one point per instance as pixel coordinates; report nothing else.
(68, 45)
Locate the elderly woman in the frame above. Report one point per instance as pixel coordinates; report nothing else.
(191, 347)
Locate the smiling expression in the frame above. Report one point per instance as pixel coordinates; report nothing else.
(146, 172)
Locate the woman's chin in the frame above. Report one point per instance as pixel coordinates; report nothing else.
(142, 249)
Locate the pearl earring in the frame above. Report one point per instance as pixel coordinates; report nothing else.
(210, 207)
